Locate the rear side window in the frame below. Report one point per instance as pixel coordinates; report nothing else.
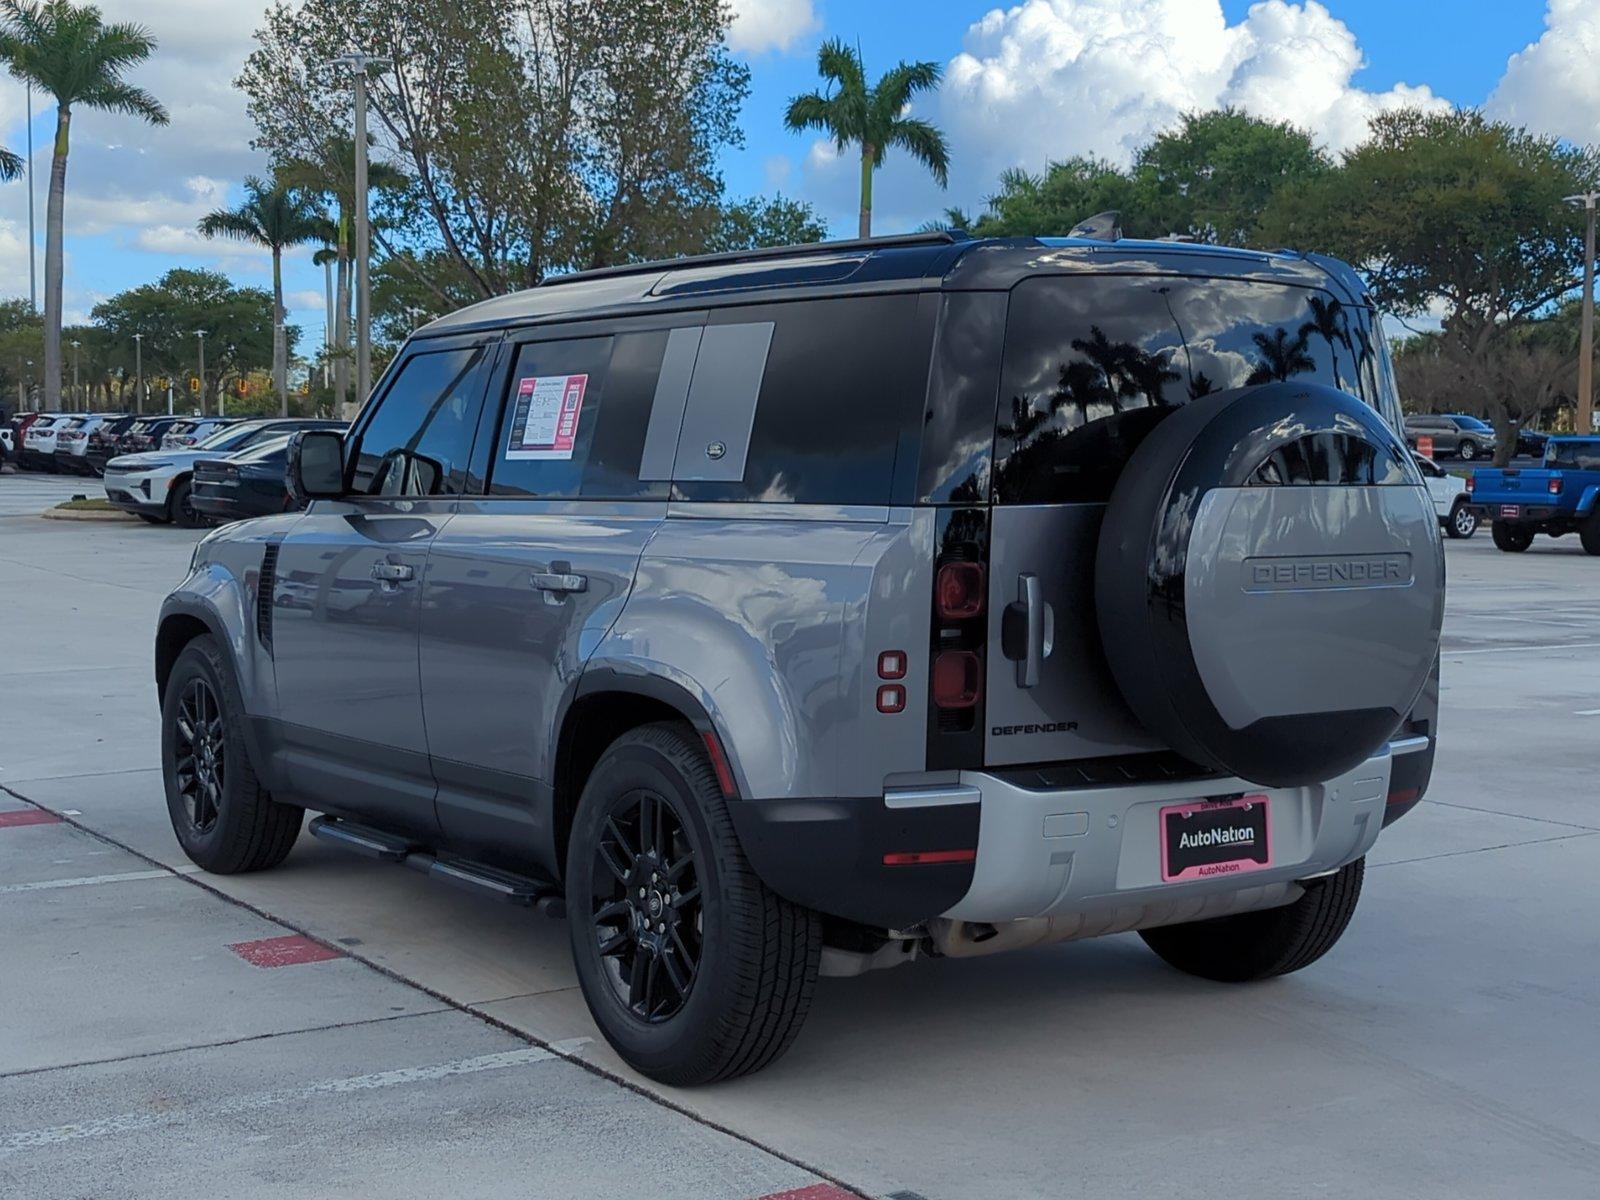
(419, 441)
(574, 418)
(837, 405)
(1093, 364)
(1574, 456)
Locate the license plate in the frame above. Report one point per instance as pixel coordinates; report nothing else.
(1206, 838)
(1511, 510)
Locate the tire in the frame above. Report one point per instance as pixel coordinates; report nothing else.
(1265, 944)
(225, 820)
(1589, 533)
(1462, 521)
(1513, 539)
(180, 509)
(1468, 450)
(747, 958)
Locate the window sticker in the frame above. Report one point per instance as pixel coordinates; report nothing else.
(545, 421)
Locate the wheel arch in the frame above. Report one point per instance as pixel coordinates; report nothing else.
(606, 704)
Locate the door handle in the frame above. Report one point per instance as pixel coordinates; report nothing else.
(559, 580)
(1028, 630)
(388, 572)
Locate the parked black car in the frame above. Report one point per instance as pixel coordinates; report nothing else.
(251, 483)
(103, 442)
(144, 434)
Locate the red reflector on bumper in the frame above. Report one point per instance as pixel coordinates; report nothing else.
(719, 763)
(1404, 795)
(917, 858)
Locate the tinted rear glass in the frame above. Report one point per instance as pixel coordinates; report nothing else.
(1093, 364)
(1573, 456)
(840, 398)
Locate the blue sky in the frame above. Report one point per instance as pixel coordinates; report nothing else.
(1024, 83)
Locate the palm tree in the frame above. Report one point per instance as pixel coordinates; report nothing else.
(10, 164)
(1328, 322)
(276, 216)
(1282, 358)
(330, 171)
(873, 118)
(72, 54)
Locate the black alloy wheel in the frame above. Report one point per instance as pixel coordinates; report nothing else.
(200, 753)
(646, 909)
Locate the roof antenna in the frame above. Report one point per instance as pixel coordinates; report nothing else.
(1102, 227)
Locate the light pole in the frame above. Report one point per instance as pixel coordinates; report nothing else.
(76, 395)
(33, 287)
(138, 372)
(200, 338)
(359, 64)
(1586, 340)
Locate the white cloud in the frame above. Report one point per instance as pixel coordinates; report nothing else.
(1051, 78)
(1552, 86)
(125, 177)
(761, 25)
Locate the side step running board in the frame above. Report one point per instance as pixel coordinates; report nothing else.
(474, 877)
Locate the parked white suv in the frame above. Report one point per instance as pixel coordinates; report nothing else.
(1451, 502)
(39, 443)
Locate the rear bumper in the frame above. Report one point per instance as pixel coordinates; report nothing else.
(1091, 853)
(1526, 513)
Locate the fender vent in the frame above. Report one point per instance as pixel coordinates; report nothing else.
(264, 590)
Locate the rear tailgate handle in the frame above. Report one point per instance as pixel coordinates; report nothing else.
(1028, 630)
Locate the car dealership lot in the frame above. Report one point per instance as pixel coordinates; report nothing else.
(1444, 1048)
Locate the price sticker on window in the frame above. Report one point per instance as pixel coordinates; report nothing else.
(544, 423)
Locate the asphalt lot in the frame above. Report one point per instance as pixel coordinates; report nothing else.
(1446, 1048)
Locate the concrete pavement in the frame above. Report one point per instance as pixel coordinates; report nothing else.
(1445, 1048)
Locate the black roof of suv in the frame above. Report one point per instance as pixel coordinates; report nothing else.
(948, 261)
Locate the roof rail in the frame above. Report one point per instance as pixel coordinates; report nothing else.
(935, 238)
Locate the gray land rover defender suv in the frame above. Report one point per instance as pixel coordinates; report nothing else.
(823, 608)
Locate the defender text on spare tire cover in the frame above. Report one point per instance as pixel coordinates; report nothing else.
(1269, 582)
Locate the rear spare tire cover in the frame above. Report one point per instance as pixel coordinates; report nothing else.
(1270, 582)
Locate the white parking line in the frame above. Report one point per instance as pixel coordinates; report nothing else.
(133, 1122)
(45, 885)
(1587, 712)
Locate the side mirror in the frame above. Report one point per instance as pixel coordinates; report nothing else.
(316, 466)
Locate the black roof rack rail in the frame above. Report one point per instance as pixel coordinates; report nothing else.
(934, 238)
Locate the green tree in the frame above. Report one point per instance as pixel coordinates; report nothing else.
(239, 324)
(872, 118)
(11, 165)
(1050, 203)
(1208, 179)
(276, 216)
(1452, 212)
(757, 222)
(538, 135)
(69, 52)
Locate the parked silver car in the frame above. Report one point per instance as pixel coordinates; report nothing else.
(817, 609)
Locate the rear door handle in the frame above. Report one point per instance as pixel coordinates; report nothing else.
(388, 572)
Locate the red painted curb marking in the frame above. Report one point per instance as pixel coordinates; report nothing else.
(817, 1191)
(28, 816)
(284, 951)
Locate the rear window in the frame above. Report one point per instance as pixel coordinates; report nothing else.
(1091, 365)
(1573, 456)
(838, 405)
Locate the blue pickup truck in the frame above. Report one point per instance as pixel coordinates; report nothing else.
(1556, 498)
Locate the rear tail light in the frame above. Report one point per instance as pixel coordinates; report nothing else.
(1472, 482)
(891, 698)
(1555, 485)
(958, 591)
(958, 640)
(957, 678)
